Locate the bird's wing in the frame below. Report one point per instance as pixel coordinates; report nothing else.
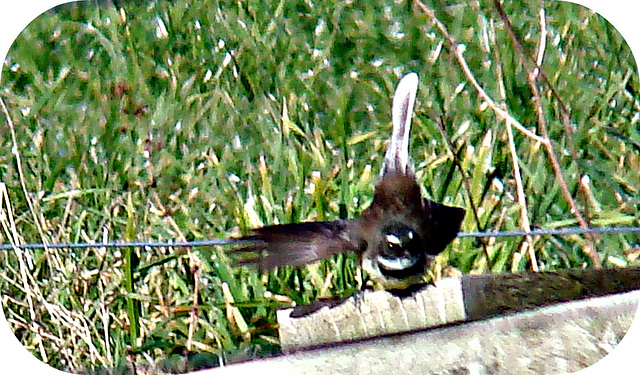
(445, 224)
(295, 244)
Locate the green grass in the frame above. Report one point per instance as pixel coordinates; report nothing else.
(221, 125)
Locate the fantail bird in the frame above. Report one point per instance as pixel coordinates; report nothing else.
(395, 237)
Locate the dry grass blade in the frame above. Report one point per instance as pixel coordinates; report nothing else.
(23, 184)
(467, 185)
(458, 51)
(9, 227)
(544, 139)
(527, 244)
(542, 123)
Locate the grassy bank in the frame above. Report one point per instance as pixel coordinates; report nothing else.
(177, 120)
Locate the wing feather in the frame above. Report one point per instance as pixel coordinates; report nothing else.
(294, 244)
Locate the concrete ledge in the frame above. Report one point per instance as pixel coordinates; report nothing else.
(454, 300)
(550, 340)
(372, 314)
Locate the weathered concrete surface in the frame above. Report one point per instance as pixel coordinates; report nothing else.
(452, 300)
(373, 314)
(551, 340)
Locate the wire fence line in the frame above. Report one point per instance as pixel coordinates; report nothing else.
(553, 232)
(222, 242)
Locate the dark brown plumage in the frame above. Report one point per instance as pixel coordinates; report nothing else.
(395, 237)
(398, 210)
(295, 244)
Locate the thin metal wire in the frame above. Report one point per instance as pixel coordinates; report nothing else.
(85, 245)
(554, 232)
(222, 242)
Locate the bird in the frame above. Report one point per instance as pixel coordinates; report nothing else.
(395, 238)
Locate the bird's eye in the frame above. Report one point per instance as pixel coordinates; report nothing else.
(393, 240)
